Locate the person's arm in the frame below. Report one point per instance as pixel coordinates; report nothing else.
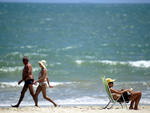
(127, 90)
(49, 83)
(20, 82)
(118, 91)
(23, 77)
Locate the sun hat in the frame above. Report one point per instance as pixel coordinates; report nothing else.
(43, 63)
(110, 80)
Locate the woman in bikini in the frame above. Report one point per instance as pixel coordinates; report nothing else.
(43, 83)
(128, 95)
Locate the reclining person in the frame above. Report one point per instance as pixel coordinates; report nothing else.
(125, 95)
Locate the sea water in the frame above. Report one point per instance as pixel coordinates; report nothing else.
(81, 43)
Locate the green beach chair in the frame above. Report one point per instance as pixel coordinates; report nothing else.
(111, 100)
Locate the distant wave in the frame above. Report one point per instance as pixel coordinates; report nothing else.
(69, 47)
(16, 53)
(27, 46)
(15, 84)
(13, 69)
(141, 63)
(36, 54)
(44, 50)
(19, 68)
(137, 85)
(9, 84)
(54, 64)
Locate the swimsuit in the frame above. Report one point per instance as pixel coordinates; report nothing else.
(30, 81)
(126, 97)
(43, 83)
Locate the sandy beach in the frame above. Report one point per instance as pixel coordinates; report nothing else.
(73, 109)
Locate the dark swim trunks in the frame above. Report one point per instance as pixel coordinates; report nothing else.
(30, 81)
(126, 97)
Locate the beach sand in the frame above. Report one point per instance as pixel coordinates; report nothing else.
(73, 109)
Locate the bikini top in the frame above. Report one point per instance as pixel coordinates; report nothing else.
(40, 75)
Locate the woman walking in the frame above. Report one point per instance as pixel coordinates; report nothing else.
(43, 82)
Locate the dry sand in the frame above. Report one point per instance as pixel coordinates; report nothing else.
(73, 109)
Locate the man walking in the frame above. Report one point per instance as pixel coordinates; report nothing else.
(28, 78)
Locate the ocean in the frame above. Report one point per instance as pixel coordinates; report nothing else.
(81, 43)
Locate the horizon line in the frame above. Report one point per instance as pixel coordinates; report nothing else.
(77, 2)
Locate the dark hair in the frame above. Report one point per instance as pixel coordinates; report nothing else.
(25, 58)
(110, 82)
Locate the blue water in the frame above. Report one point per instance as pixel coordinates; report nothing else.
(81, 43)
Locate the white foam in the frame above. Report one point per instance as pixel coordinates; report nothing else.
(43, 50)
(89, 57)
(27, 46)
(79, 61)
(15, 84)
(16, 68)
(11, 69)
(10, 84)
(35, 54)
(69, 47)
(61, 83)
(35, 69)
(14, 53)
(140, 63)
(54, 64)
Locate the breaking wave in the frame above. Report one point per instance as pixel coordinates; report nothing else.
(140, 64)
(13, 69)
(15, 84)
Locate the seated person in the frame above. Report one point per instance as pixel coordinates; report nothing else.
(124, 94)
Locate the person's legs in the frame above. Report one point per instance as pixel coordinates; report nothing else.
(31, 89)
(135, 98)
(38, 90)
(24, 89)
(47, 98)
(131, 104)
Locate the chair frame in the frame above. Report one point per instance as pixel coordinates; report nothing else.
(110, 97)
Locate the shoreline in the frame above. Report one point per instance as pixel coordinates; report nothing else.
(73, 109)
(70, 105)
